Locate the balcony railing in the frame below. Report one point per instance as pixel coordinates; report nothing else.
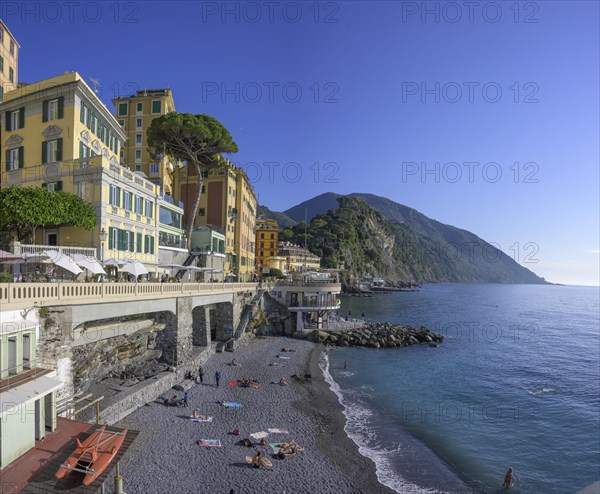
(67, 250)
(20, 295)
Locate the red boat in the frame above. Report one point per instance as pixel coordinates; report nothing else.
(93, 455)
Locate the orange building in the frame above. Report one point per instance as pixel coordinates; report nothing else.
(267, 236)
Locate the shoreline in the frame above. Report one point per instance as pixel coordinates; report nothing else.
(327, 410)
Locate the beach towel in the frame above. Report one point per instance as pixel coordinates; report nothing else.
(232, 404)
(275, 446)
(210, 442)
(207, 419)
(232, 383)
(285, 358)
(278, 431)
(259, 435)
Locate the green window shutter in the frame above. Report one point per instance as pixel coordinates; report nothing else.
(7, 160)
(61, 107)
(59, 185)
(152, 245)
(82, 112)
(122, 240)
(110, 237)
(122, 109)
(21, 117)
(81, 149)
(7, 119)
(59, 149)
(89, 119)
(45, 111)
(118, 197)
(156, 107)
(131, 242)
(21, 157)
(139, 243)
(145, 244)
(44, 152)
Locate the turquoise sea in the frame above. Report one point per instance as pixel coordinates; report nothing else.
(515, 383)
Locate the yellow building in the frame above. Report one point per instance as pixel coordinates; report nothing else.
(267, 237)
(245, 226)
(9, 61)
(135, 114)
(57, 134)
(298, 258)
(227, 205)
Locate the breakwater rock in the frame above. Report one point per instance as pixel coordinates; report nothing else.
(378, 335)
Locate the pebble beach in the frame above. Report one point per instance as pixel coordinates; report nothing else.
(167, 455)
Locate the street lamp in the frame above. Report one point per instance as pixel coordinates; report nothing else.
(102, 236)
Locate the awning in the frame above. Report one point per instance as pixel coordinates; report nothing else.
(26, 393)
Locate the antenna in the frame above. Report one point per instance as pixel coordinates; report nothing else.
(95, 84)
(305, 224)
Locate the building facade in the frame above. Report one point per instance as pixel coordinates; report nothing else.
(298, 258)
(9, 61)
(227, 204)
(267, 238)
(245, 227)
(135, 114)
(57, 134)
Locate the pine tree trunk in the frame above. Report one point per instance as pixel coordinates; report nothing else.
(196, 207)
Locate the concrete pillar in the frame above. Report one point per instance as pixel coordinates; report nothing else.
(50, 411)
(201, 326)
(223, 314)
(40, 419)
(184, 331)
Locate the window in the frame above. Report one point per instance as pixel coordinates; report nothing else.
(14, 158)
(12, 47)
(203, 190)
(11, 74)
(1, 35)
(82, 111)
(53, 109)
(83, 190)
(148, 209)
(114, 196)
(139, 205)
(139, 108)
(262, 245)
(122, 124)
(15, 119)
(84, 151)
(138, 123)
(1, 93)
(272, 253)
(138, 138)
(138, 168)
(272, 235)
(156, 107)
(153, 168)
(262, 235)
(148, 244)
(1, 65)
(52, 151)
(138, 154)
(127, 200)
(122, 109)
(201, 212)
(53, 186)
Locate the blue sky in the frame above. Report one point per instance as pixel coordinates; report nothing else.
(486, 119)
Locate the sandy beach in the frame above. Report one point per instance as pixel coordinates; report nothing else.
(167, 457)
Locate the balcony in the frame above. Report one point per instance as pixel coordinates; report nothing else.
(38, 249)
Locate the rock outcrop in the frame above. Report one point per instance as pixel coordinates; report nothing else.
(379, 335)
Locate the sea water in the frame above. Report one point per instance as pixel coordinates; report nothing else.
(515, 383)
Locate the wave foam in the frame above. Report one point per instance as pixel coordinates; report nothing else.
(357, 428)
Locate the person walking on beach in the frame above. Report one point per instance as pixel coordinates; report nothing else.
(201, 374)
(185, 399)
(508, 478)
(217, 377)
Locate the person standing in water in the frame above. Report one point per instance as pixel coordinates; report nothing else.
(345, 365)
(508, 478)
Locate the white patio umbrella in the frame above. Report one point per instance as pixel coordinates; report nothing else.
(115, 262)
(135, 268)
(173, 266)
(89, 263)
(62, 261)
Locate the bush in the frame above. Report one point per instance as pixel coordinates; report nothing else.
(276, 273)
(5, 277)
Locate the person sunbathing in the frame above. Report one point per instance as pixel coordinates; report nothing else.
(275, 364)
(262, 443)
(196, 414)
(173, 401)
(282, 382)
(234, 362)
(290, 448)
(256, 460)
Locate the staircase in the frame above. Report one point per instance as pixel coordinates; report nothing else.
(190, 259)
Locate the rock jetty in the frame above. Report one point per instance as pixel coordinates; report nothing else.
(379, 335)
